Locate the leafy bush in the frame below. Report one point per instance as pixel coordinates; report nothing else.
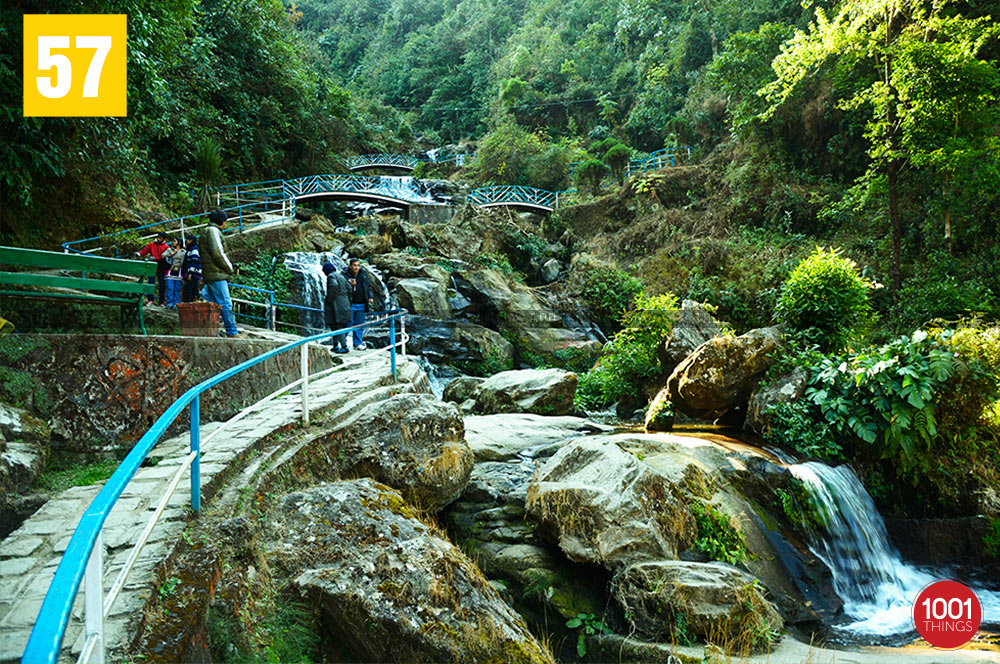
(826, 299)
(617, 158)
(717, 536)
(630, 358)
(881, 402)
(590, 173)
(607, 292)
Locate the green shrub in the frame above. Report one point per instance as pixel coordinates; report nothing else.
(607, 292)
(617, 158)
(590, 174)
(826, 299)
(717, 536)
(630, 357)
(882, 402)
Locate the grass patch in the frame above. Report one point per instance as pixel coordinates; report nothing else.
(58, 476)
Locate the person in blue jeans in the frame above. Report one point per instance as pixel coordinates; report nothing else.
(361, 299)
(216, 270)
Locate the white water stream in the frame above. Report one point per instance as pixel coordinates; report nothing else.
(876, 586)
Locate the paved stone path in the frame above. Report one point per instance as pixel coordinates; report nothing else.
(29, 555)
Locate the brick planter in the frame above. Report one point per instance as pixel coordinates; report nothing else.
(199, 319)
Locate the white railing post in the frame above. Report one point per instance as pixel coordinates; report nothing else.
(218, 199)
(402, 331)
(182, 232)
(305, 385)
(93, 604)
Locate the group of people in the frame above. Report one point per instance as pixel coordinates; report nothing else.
(200, 260)
(203, 260)
(347, 300)
(178, 268)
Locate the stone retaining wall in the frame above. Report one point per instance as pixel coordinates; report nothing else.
(104, 391)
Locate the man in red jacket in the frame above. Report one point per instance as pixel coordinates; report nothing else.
(155, 250)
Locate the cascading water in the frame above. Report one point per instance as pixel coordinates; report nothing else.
(876, 586)
(406, 188)
(313, 290)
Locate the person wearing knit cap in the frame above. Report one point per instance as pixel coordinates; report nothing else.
(337, 305)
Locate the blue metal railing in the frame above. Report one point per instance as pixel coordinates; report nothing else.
(53, 617)
(512, 195)
(654, 160)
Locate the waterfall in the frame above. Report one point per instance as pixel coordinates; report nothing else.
(313, 290)
(876, 586)
(406, 188)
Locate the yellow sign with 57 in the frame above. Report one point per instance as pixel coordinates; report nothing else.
(75, 65)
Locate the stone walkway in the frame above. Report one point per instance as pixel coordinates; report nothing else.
(29, 555)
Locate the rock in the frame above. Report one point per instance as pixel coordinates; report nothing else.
(603, 506)
(722, 373)
(462, 388)
(453, 241)
(507, 436)
(539, 391)
(389, 588)
(783, 389)
(24, 448)
(558, 344)
(550, 271)
(660, 414)
(470, 348)
(363, 246)
(718, 602)
(502, 300)
(424, 297)
(694, 327)
(414, 443)
(407, 266)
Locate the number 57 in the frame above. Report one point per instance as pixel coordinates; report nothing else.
(57, 86)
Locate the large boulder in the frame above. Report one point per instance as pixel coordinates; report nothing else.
(412, 442)
(364, 246)
(539, 391)
(602, 505)
(783, 389)
(470, 348)
(462, 388)
(504, 302)
(424, 297)
(508, 436)
(389, 588)
(402, 265)
(722, 373)
(713, 601)
(694, 327)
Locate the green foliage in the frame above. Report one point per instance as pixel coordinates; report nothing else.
(511, 154)
(660, 414)
(630, 358)
(607, 292)
(717, 536)
(617, 158)
(590, 174)
(799, 507)
(207, 170)
(991, 540)
(23, 390)
(588, 626)
(825, 299)
(497, 261)
(168, 587)
(59, 475)
(288, 634)
(881, 402)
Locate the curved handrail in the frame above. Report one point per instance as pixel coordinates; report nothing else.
(383, 160)
(53, 616)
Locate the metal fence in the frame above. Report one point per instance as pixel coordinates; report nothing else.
(83, 562)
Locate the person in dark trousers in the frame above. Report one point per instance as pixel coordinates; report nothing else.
(176, 255)
(155, 251)
(361, 299)
(216, 270)
(337, 305)
(191, 272)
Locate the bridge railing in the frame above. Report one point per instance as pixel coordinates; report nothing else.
(385, 160)
(241, 217)
(83, 562)
(512, 194)
(652, 161)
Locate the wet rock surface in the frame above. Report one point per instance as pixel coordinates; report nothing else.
(783, 389)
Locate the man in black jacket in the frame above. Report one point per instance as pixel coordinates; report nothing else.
(361, 299)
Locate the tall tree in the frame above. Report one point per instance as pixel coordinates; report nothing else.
(903, 60)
